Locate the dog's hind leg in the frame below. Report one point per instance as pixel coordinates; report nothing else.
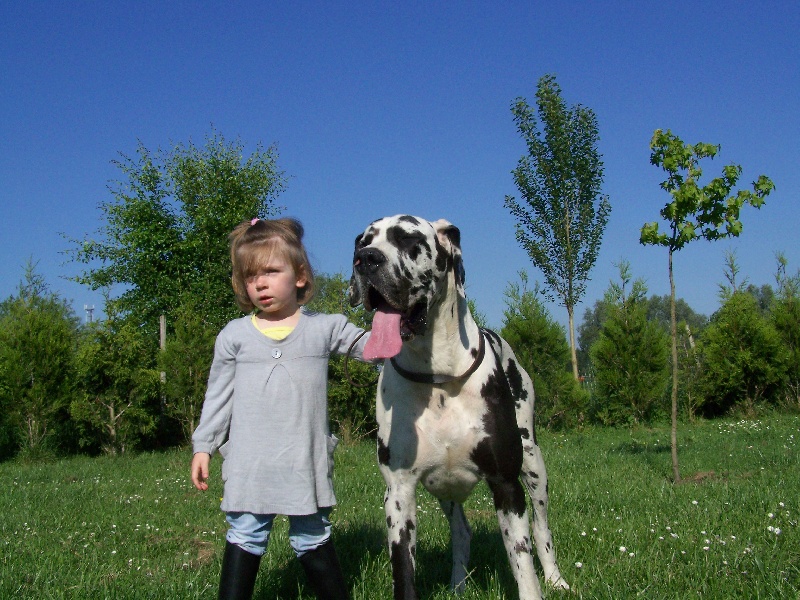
(460, 538)
(512, 516)
(534, 475)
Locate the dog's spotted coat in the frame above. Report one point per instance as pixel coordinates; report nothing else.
(445, 430)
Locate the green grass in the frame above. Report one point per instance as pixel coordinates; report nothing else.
(134, 527)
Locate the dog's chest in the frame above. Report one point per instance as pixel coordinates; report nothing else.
(437, 433)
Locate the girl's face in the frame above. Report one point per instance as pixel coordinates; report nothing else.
(273, 290)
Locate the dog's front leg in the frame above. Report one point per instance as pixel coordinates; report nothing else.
(400, 504)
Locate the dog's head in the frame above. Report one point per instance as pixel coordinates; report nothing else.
(401, 264)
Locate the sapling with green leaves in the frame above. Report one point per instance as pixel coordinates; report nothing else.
(708, 212)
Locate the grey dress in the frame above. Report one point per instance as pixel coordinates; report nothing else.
(268, 399)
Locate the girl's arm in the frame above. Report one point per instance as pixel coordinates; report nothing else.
(215, 418)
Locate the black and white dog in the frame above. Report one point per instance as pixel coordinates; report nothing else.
(453, 405)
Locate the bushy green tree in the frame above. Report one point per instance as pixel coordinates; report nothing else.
(165, 238)
(38, 336)
(630, 357)
(185, 363)
(561, 223)
(116, 407)
(785, 316)
(351, 395)
(541, 347)
(743, 358)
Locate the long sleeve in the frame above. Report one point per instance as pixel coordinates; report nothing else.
(215, 418)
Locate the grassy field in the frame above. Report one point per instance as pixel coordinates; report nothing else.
(134, 527)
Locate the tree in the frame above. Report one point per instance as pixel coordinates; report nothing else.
(562, 222)
(710, 212)
(744, 361)
(117, 404)
(540, 345)
(785, 316)
(38, 335)
(629, 356)
(186, 362)
(165, 239)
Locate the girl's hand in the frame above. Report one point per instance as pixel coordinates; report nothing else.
(200, 462)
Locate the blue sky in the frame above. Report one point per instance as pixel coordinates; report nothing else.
(379, 108)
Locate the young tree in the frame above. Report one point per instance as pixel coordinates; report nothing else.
(744, 361)
(785, 316)
(38, 336)
(186, 362)
(117, 404)
(166, 227)
(564, 214)
(540, 345)
(709, 212)
(629, 356)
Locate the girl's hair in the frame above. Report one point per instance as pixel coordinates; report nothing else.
(254, 243)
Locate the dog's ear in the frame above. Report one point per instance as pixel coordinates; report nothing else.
(450, 237)
(353, 291)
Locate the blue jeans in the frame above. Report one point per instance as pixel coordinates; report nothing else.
(251, 531)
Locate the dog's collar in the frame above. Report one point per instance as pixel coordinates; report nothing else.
(433, 378)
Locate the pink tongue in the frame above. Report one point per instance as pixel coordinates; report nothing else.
(384, 341)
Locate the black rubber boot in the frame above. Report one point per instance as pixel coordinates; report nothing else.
(239, 570)
(324, 573)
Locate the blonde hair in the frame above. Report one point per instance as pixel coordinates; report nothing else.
(254, 243)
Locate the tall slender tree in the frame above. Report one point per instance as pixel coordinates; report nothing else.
(561, 221)
(710, 212)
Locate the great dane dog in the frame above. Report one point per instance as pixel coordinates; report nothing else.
(453, 404)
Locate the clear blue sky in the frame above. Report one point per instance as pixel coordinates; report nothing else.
(380, 108)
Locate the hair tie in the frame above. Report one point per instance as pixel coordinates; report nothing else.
(253, 222)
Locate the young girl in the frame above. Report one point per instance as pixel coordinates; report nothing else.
(266, 410)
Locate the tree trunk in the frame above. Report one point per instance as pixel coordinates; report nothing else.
(673, 325)
(573, 352)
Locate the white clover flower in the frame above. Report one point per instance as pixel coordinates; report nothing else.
(771, 515)
(578, 565)
(777, 531)
(623, 549)
(694, 502)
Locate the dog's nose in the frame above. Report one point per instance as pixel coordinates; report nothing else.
(369, 259)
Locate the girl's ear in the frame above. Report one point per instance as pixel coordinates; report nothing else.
(302, 279)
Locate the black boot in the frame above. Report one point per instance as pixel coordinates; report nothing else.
(324, 573)
(239, 570)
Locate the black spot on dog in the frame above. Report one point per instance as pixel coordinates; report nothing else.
(409, 219)
(383, 452)
(402, 553)
(524, 433)
(515, 381)
(441, 401)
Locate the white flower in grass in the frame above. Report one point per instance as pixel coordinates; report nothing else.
(771, 515)
(694, 502)
(623, 549)
(631, 554)
(578, 565)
